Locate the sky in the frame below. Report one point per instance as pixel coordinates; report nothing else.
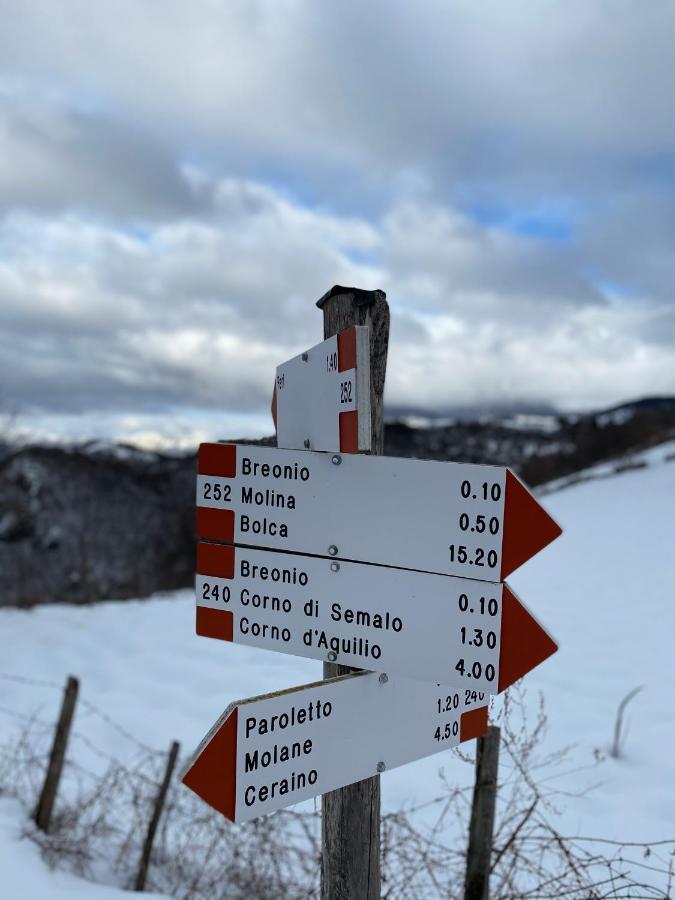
(180, 182)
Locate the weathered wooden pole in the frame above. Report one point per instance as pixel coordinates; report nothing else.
(154, 821)
(350, 821)
(43, 811)
(477, 884)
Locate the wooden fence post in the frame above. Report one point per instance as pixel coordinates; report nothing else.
(154, 821)
(43, 811)
(350, 821)
(477, 885)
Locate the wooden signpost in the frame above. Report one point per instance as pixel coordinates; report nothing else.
(397, 565)
(415, 624)
(350, 816)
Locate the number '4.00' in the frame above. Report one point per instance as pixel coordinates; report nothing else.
(475, 670)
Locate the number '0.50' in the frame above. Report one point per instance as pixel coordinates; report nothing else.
(480, 524)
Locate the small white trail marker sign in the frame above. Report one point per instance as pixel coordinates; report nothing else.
(415, 624)
(474, 521)
(272, 751)
(322, 396)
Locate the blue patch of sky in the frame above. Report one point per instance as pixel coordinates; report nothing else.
(293, 186)
(340, 193)
(612, 291)
(319, 185)
(361, 256)
(555, 224)
(654, 169)
(216, 162)
(137, 231)
(543, 229)
(90, 102)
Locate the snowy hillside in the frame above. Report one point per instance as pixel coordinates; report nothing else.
(605, 590)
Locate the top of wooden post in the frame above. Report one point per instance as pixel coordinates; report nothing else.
(361, 296)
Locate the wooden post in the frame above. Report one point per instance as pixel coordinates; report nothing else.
(350, 821)
(477, 885)
(43, 811)
(154, 821)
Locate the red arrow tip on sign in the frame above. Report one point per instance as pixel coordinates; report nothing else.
(528, 528)
(524, 643)
(213, 772)
(273, 407)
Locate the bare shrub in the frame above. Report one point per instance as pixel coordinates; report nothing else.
(619, 733)
(100, 821)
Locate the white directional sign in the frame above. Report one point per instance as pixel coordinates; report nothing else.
(416, 624)
(474, 521)
(322, 397)
(270, 752)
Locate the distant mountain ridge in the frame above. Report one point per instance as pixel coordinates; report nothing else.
(101, 521)
(505, 411)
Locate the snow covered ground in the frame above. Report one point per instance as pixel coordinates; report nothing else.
(605, 590)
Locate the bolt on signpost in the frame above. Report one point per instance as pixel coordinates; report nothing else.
(306, 549)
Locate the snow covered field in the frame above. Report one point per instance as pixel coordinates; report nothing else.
(605, 590)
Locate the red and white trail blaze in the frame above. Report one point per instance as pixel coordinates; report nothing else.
(472, 521)
(414, 624)
(270, 752)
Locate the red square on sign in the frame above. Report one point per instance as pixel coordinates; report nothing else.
(218, 460)
(215, 524)
(214, 623)
(215, 560)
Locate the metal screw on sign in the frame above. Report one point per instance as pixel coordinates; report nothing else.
(335, 567)
(384, 678)
(381, 766)
(332, 550)
(332, 656)
(305, 357)
(336, 460)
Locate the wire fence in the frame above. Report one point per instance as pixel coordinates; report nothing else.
(101, 816)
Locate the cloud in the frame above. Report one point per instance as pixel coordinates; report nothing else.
(191, 313)
(178, 189)
(588, 359)
(520, 95)
(443, 259)
(54, 156)
(196, 315)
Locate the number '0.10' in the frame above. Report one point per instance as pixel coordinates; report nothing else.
(486, 491)
(489, 605)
